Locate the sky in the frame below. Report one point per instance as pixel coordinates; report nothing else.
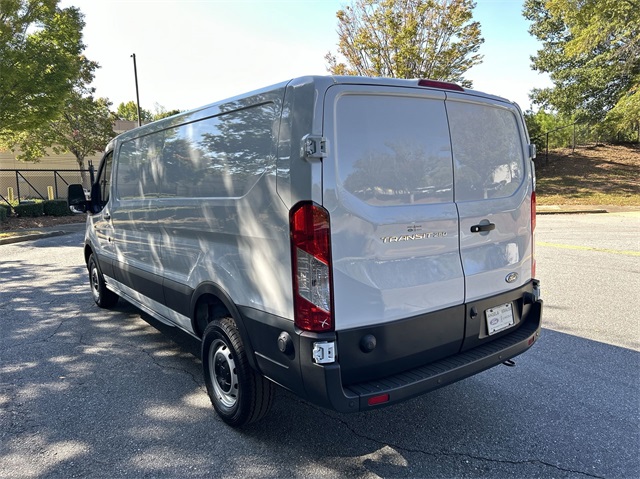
(191, 53)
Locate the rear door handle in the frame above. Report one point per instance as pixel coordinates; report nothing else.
(481, 228)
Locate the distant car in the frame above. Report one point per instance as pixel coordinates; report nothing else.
(358, 241)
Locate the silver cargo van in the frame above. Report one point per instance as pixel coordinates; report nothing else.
(358, 241)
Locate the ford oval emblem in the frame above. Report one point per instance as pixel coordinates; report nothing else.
(511, 277)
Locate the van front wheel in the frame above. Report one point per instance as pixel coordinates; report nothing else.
(101, 295)
(239, 394)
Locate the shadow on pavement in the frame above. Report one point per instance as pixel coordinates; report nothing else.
(99, 393)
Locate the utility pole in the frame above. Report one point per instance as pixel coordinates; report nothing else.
(135, 74)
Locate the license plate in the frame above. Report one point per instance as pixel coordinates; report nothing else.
(499, 318)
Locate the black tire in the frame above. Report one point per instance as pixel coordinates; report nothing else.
(239, 394)
(101, 295)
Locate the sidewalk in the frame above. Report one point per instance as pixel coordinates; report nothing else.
(570, 209)
(17, 236)
(582, 209)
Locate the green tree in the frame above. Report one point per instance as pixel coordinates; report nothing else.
(40, 61)
(434, 39)
(558, 127)
(129, 111)
(591, 49)
(161, 112)
(83, 128)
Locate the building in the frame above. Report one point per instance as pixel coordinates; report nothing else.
(49, 177)
(53, 161)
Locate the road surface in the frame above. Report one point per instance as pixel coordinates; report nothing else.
(93, 393)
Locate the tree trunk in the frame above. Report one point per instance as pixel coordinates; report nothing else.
(84, 174)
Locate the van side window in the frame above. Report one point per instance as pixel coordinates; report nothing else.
(139, 169)
(487, 151)
(393, 150)
(220, 156)
(228, 153)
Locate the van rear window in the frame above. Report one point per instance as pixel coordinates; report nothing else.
(393, 150)
(487, 151)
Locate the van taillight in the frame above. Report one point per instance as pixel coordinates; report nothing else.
(311, 262)
(533, 234)
(440, 84)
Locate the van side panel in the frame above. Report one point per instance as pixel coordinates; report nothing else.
(196, 202)
(242, 246)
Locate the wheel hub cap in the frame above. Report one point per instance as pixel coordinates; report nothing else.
(224, 377)
(95, 283)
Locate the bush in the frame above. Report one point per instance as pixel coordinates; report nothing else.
(29, 210)
(5, 211)
(56, 208)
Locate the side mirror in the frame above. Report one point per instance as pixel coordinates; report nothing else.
(76, 199)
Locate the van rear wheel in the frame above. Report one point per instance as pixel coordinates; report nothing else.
(101, 295)
(239, 394)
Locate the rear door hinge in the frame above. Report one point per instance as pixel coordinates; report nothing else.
(324, 352)
(314, 147)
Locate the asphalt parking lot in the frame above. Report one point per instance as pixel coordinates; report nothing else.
(91, 393)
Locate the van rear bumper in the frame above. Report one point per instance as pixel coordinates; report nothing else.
(323, 383)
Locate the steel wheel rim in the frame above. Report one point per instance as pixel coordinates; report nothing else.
(95, 283)
(222, 370)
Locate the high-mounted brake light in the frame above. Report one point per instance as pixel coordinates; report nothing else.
(311, 263)
(440, 84)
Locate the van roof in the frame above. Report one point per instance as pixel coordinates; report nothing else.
(322, 83)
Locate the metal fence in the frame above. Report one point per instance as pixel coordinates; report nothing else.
(18, 186)
(579, 135)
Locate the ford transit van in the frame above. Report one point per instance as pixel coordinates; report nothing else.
(358, 241)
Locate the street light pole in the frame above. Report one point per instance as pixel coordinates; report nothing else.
(135, 74)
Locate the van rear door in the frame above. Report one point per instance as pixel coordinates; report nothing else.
(493, 190)
(388, 186)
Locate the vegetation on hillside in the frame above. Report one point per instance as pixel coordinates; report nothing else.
(594, 175)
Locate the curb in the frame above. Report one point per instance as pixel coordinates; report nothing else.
(570, 212)
(33, 236)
